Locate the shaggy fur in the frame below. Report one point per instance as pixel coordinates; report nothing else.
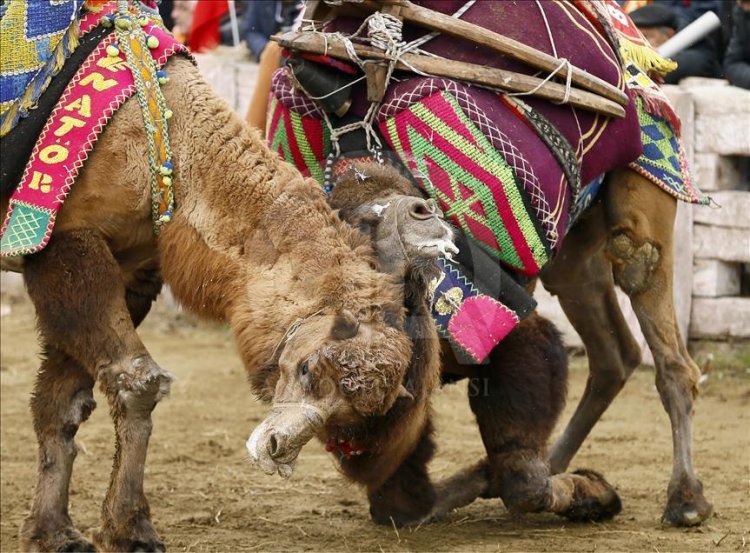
(252, 243)
(399, 444)
(517, 400)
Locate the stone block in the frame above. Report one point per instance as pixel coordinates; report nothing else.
(683, 266)
(714, 172)
(684, 106)
(700, 82)
(725, 244)
(713, 278)
(720, 100)
(720, 318)
(726, 133)
(733, 210)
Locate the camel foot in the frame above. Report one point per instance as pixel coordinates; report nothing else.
(594, 501)
(66, 538)
(401, 510)
(686, 505)
(141, 536)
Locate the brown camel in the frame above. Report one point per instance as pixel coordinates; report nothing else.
(516, 400)
(252, 243)
(625, 239)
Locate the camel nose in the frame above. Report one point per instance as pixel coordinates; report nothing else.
(276, 445)
(423, 209)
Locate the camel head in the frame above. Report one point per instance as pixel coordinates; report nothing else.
(338, 369)
(334, 370)
(405, 229)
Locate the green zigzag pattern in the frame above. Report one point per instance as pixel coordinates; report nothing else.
(487, 157)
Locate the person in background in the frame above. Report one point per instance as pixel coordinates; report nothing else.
(204, 31)
(659, 21)
(182, 16)
(737, 56)
(264, 18)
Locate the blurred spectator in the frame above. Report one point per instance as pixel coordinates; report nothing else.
(737, 57)
(632, 5)
(658, 21)
(182, 15)
(204, 31)
(264, 18)
(165, 11)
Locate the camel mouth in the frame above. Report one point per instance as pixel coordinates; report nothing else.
(343, 448)
(438, 248)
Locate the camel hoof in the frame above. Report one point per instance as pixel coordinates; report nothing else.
(76, 545)
(151, 545)
(597, 502)
(687, 506)
(67, 539)
(147, 545)
(141, 537)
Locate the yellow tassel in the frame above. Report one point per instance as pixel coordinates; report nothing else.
(645, 57)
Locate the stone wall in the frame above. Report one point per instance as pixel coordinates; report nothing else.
(721, 234)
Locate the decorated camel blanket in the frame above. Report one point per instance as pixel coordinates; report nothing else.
(125, 61)
(511, 171)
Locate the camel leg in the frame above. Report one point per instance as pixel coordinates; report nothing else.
(62, 400)
(581, 277)
(407, 496)
(80, 299)
(517, 403)
(641, 219)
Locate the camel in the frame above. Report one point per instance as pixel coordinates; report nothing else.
(252, 243)
(624, 239)
(516, 400)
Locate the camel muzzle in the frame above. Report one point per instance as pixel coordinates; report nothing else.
(275, 444)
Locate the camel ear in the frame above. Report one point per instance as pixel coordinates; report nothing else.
(345, 326)
(403, 392)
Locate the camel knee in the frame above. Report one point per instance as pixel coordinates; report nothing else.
(136, 384)
(634, 263)
(677, 380)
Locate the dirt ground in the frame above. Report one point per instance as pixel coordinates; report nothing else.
(205, 496)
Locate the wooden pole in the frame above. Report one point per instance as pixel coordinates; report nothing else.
(485, 76)
(436, 21)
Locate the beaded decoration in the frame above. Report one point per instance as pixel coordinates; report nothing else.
(137, 45)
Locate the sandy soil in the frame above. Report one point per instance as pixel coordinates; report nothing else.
(205, 496)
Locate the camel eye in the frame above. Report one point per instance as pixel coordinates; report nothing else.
(304, 368)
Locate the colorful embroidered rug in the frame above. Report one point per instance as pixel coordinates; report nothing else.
(40, 35)
(512, 172)
(664, 161)
(116, 69)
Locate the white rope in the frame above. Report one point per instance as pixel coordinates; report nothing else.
(564, 62)
(355, 81)
(384, 32)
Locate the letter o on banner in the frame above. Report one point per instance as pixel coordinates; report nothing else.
(54, 153)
